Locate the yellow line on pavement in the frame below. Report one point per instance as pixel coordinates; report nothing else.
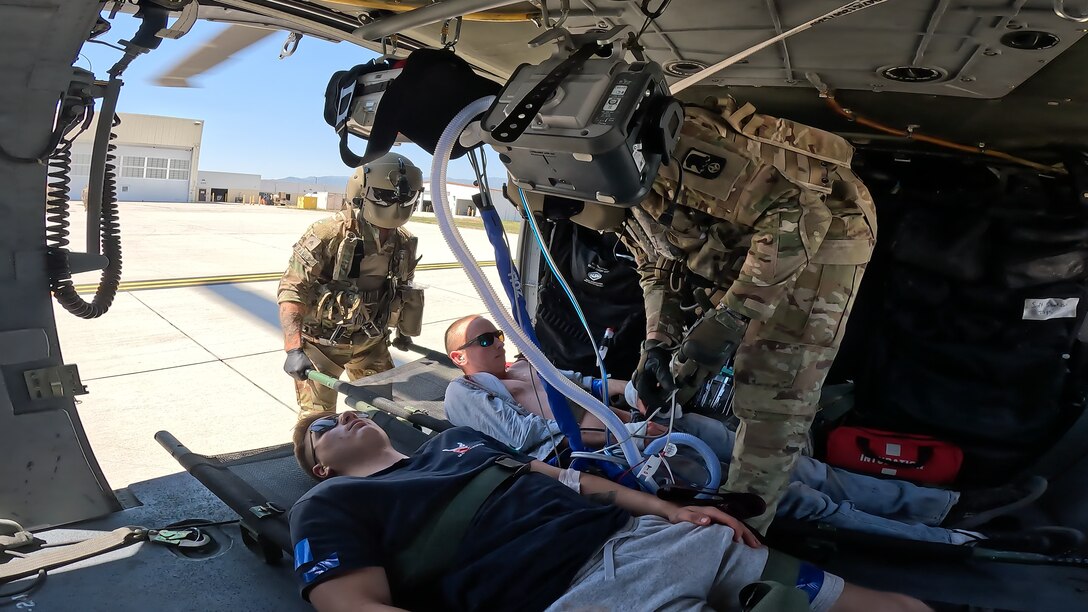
(198, 281)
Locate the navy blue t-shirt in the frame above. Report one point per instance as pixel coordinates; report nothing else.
(521, 551)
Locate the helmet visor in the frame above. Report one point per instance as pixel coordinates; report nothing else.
(391, 197)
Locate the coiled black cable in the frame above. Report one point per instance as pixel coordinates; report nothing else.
(56, 234)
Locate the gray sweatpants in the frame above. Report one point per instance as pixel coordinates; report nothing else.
(652, 564)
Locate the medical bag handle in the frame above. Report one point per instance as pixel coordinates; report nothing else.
(421, 564)
(925, 454)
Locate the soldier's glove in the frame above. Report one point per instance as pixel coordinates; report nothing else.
(402, 342)
(653, 379)
(714, 339)
(298, 364)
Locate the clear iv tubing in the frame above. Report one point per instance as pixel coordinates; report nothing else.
(566, 289)
(494, 305)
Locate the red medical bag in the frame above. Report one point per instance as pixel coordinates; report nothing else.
(909, 457)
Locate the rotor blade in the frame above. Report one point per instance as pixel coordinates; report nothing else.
(211, 54)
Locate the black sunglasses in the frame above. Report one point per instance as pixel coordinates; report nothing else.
(485, 340)
(320, 426)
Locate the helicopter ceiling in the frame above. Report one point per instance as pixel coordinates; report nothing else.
(985, 60)
(968, 48)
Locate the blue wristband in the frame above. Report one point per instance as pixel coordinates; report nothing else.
(596, 387)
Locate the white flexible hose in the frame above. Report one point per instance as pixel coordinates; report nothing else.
(495, 306)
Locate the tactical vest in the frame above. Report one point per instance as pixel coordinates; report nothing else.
(367, 283)
(736, 165)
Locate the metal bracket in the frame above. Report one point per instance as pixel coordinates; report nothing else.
(290, 45)
(572, 42)
(545, 16)
(184, 23)
(51, 383)
(266, 510)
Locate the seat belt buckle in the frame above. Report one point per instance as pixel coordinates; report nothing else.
(519, 468)
(371, 330)
(335, 336)
(265, 510)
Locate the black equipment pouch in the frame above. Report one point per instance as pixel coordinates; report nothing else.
(343, 88)
(410, 319)
(347, 256)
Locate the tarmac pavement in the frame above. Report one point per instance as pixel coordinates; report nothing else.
(204, 361)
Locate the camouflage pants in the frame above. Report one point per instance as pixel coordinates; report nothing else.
(781, 365)
(359, 360)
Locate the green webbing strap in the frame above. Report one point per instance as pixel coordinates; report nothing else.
(776, 590)
(431, 553)
(781, 568)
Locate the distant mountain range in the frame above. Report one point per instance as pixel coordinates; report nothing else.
(329, 183)
(337, 183)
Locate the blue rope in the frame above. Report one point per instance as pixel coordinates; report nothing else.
(512, 284)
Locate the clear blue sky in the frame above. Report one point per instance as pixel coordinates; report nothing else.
(262, 115)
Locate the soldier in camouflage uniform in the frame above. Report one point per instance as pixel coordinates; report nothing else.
(349, 281)
(770, 230)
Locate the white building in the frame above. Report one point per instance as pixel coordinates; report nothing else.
(286, 191)
(459, 199)
(156, 158)
(232, 187)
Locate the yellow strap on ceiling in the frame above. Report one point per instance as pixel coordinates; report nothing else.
(401, 6)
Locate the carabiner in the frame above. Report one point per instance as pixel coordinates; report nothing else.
(290, 45)
(448, 44)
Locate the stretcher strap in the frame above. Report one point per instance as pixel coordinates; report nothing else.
(433, 551)
(63, 555)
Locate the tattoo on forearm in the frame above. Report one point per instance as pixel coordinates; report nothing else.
(605, 498)
(291, 322)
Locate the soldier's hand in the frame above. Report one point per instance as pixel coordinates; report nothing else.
(402, 342)
(298, 364)
(653, 379)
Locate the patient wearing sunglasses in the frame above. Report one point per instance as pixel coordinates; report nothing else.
(509, 404)
(546, 540)
(478, 348)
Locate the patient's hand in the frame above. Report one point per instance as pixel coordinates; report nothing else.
(707, 515)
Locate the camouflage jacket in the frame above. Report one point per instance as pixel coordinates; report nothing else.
(338, 268)
(760, 198)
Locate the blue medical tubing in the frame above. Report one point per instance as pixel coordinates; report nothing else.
(508, 274)
(596, 387)
(713, 465)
